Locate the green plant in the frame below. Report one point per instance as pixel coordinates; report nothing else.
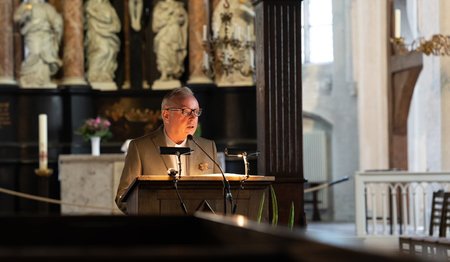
(95, 127)
(274, 206)
(261, 207)
(291, 218)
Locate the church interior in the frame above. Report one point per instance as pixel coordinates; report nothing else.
(329, 118)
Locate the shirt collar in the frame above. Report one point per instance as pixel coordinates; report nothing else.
(169, 141)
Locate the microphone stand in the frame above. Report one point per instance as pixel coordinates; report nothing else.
(179, 163)
(178, 151)
(226, 184)
(246, 172)
(173, 174)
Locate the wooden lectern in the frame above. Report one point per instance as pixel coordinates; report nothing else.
(156, 195)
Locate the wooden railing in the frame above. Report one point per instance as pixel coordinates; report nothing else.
(396, 202)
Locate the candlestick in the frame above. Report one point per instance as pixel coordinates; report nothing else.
(205, 60)
(205, 33)
(237, 33)
(43, 160)
(397, 24)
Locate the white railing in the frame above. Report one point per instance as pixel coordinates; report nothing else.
(396, 202)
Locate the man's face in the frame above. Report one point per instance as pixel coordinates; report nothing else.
(177, 125)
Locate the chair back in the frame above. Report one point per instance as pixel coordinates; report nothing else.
(445, 220)
(436, 213)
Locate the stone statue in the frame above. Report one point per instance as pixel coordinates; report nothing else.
(170, 22)
(42, 28)
(102, 43)
(135, 8)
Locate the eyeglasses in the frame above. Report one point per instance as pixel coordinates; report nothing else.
(187, 111)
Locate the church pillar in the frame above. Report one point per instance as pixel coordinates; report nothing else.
(17, 49)
(6, 43)
(279, 102)
(199, 13)
(372, 78)
(73, 58)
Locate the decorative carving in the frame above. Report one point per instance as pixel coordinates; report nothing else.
(135, 9)
(231, 49)
(131, 122)
(42, 28)
(102, 43)
(5, 114)
(170, 22)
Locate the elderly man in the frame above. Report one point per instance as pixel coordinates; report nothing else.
(180, 111)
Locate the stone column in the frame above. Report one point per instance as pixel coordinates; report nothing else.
(126, 49)
(73, 58)
(372, 108)
(17, 49)
(199, 13)
(6, 43)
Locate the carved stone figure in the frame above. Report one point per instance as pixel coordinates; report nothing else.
(42, 28)
(170, 23)
(102, 43)
(135, 8)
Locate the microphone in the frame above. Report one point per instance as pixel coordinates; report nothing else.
(178, 151)
(226, 184)
(172, 172)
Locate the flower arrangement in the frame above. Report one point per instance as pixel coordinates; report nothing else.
(95, 127)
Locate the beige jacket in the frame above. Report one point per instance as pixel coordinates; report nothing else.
(143, 158)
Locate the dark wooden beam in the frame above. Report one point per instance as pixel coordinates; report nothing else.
(279, 101)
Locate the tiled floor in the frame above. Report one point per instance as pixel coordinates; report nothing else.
(344, 235)
(344, 228)
(334, 233)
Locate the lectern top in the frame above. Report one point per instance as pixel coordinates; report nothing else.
(206, 177)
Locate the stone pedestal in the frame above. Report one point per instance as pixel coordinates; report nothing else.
(166, 85)
(90, 182)
(104, 86)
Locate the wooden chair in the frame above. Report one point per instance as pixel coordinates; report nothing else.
(405, 244)
(436, 213)
(445, 219)
(435, 246)
(444, 249)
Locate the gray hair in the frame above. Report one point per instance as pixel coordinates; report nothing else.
(178, 92)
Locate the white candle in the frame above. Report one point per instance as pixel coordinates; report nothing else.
(237, 33)
(248, 33)
(397, 24)
(205, 37)
(252, 58)
(205, 60)
(43, 141)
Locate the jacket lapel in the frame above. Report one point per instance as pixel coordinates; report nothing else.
(160, 140)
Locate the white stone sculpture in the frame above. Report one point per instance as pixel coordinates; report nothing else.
(42, 28)
(240, 29)
(170, 22)
(135, 9)
(102, 43)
